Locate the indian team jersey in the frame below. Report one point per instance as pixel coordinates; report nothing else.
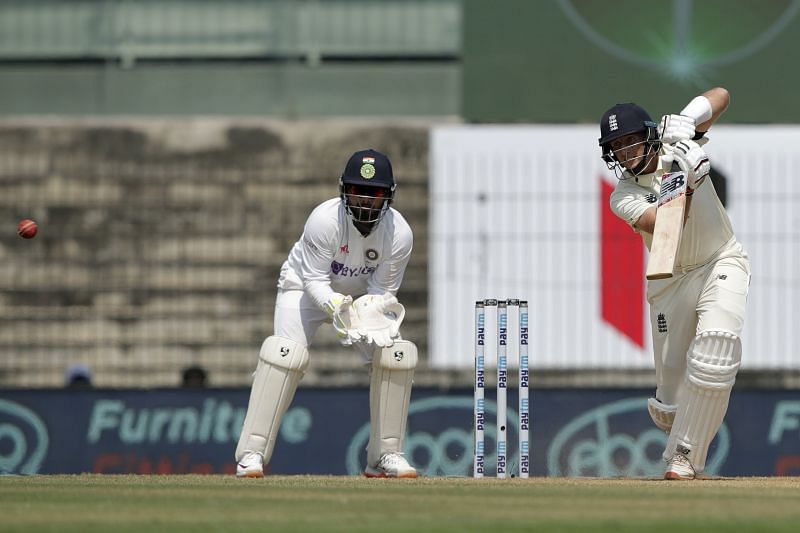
(332, 255)
(707, 234)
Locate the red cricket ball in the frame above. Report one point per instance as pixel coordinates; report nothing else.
(27, 228)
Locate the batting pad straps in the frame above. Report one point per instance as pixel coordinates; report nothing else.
(712, 363)
(713, 359)
(662, 414)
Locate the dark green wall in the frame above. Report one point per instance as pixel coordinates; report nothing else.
(568, 61)
(285, 58)
(231, 88)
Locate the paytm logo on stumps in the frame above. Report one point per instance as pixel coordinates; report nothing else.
(502, 359)
(481, 326)
(618, 439)
(480, 372)
(480, 414)
(480, 462)
(524, 414)
(23, 439)
(503, 329)
(523, 327)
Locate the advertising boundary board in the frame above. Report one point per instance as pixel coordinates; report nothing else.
(574, 432)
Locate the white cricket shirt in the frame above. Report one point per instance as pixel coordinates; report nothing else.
(332, 255)
(707, 234)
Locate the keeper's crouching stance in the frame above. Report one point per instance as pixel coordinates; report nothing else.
(697, 315)
(352, 245)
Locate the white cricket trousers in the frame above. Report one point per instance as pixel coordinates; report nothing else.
(712, 297)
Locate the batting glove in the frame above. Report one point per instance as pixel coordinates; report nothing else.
(693, 161)
(675, 128)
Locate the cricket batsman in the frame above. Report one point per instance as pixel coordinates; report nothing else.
(697, 315)
(345, 269)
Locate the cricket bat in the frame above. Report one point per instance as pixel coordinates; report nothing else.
(669, 225)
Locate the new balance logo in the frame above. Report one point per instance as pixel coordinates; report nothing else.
(612, 123)
(674, 182)
(651, 198)
(662, 323)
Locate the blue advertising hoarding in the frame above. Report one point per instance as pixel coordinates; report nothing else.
(588, 432)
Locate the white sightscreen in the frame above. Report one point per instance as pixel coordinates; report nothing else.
(516, 213)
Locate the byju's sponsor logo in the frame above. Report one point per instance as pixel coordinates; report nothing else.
(434, 446)
(609, 441)
(338, 269)
(23, 439)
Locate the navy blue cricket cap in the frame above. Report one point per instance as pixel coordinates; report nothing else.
(369, 167)
(624, 119)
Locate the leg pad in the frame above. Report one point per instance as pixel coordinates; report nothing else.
(389, 397)
(712, 364)
(281, 365)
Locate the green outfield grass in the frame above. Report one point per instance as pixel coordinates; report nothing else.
(319, 503)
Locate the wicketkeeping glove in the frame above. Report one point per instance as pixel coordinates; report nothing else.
(675, 128)
(339, 308)
(378, 318)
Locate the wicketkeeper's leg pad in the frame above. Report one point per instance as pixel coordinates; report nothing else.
(281, 365)
(389, 396)
(712, 364)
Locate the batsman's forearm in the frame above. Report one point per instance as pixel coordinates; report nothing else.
(647, 222)
(719, 98)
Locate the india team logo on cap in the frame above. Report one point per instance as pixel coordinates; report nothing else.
(368, 168)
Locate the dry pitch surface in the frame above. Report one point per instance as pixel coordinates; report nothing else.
(320, 503)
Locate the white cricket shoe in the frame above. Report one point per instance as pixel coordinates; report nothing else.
(251, 465)
(391, 465)
(680, 468)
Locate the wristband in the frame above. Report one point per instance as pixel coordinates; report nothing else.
(699, 109)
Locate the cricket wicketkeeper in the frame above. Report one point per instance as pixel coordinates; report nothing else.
(697, 315)
(354, 245)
